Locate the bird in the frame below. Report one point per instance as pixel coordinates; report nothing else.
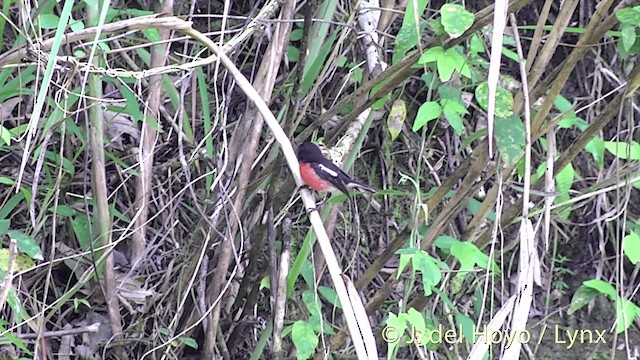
(321, 174)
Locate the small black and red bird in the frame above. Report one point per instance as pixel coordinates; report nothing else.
(321, 174)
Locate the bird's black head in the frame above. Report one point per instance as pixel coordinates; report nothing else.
(309, 152)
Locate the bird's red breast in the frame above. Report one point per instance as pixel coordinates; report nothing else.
(312, 179)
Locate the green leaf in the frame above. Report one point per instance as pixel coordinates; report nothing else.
(4, 226)
(631, 247)
(393, 331)
(304, 339)
(416, 319)
(452, 111)
(428, 111)
(626, 312)
(5, 135)
(582, 297)
(628, 36)
(455, 19)
(82, 231)
(446, 65)
(624, 150)
(509, 135)
(444, 242)
(595, 147)
(603, 287)
(192, 343)
(504, 99)
(396, 118)
(63, 210)
(26, 244)
(476, 46)
(330, 295)
(293, 54)
(451, 93)
(405, 256)
(629, 15)
(431, 55)
(296, 34)
(562, 104)
(469, 256)
(454, 106)
(408, 36)
(48, 21)
(431, 273)
(564, 179)
(309, 298)
(467, 324)
(22, 262)
(315, 67)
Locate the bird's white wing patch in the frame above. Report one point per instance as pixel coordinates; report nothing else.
(328, 171)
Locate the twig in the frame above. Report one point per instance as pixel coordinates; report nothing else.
(93, 328)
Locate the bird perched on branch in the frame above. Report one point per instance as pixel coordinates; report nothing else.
(321, 174)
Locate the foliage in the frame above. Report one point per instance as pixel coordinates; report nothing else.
(107, 142)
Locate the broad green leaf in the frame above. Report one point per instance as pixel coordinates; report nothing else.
(309, 299)
(296, 34)
(629, 15)
(330, 295)
(48, 21)
(414, 11)
(624, 150)
(26, 244)
(631, 247)
(446, 65)
(451, 112)
(192, 343)
(451, 93)
(14, 302)
(408, 37)
(564, 179)
(22, 262)
(454, 106)
(603, 287)
(396, 118)
(428, 111)
(431, 273)
(504, 99)
(431, 55)
(63, 210)
(4, 226)
(405, 256)
(416, 319)
(467, 325)
(293, 54)
(582, 297)
(476, 46)
(5, 135)
(444, 242)
(562, 104)
(626, 312)
(509, 135)
(393, 331)
(304, 339)
(82, 231)
(628, 36)
(595, 147)
(455, 19)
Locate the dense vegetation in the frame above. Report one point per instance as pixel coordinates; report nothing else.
(150, 199)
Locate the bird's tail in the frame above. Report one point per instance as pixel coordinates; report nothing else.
(362, 186)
